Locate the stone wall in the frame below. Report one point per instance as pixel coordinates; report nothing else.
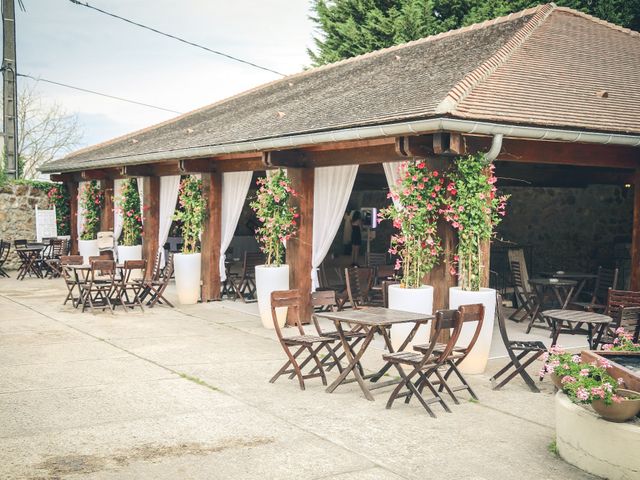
(17, 215)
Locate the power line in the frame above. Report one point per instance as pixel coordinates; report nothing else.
(85, 4)
(86, 90)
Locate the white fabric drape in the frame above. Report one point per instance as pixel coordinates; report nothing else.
(391, 171)
(235, 186)
(332, 189)
(140, 182)
(169, 188)
(80, 222)
(117, 211)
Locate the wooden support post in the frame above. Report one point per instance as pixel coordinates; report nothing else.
(106, 214)
(299, 248)
(150, 217)
(440, 276)
(211, 236)
(635, 242)
(72, 189)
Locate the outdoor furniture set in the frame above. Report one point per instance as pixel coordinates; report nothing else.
(37, 259)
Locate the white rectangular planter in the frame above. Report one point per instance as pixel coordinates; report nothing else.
(88, 248)
(415, 300)
(187, 268)
(270, 279)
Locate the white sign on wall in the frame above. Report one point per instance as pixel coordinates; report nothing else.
(46, 224)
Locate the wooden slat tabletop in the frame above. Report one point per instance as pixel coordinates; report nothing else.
(375, 316)
(577, 316)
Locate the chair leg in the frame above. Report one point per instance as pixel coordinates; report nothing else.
(519, 369)
(314, 354)
(453, 368)
(293, 363)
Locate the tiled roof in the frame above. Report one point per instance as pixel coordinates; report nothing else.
(546, 66)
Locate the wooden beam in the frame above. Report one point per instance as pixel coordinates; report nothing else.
(197, 165)
(417, 146)
(285, 158)
(72, 189)
(299, 248)
(106, 213)
(62, 177)
(547, 175)
(327, 158)
(577, 154)
(152, 170)
(150, 220)
(211, 236)
(635, 242)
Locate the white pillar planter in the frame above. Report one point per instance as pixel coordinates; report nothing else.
(270, 279)
(415, 300)
(187, 271)
(477, 359)
(133, 252)
(88, 248)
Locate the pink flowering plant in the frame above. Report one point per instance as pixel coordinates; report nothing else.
(128, 203)
(417, 200)
(91, 199)
(191, 212)
(623, 342)
(582, 382)
(278, 218)
(473, 208)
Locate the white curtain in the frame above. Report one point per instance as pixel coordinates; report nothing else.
(391, 171)
(117, 211)
(140, 182)
(332, 189)
(235, 186)
(80, 223)
(169, 187)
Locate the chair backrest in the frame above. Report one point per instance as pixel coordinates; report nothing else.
(607, 279)
(452, 321)
(502, 325)
(325, 299)
(167, 271)
(132, 265)
(517, 255)
(251, 261)
(617, 301)
(359, 281)
(385, 291)
(71, 260)
(518, 278)
(469, 314)
(323, 281)
(103, 268)
(58, 248)
(5, 247)
(20, 243)
(286, 298)
(376, 259)
(155, 272)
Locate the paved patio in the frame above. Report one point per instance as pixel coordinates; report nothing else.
(184, 393)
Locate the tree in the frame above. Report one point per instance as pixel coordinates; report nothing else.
(352, 27)
(45, 131)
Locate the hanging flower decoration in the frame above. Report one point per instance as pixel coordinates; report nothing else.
(59, 197)
(191, 213)
(91, 198)
(473, 207)
(418, 194)
(277, 216)
(128, 204)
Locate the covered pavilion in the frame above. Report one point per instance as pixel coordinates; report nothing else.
(547, 89)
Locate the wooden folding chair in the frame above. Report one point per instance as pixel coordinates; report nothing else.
(359, 281)
(51, 263)
(245, 284)
(469, 314)
(376, 259)
(100, 286)
(128, 289)
(425, 364)
(70, 278)
(525, 298)
(157, 287)
(5, 247)
(518, 361)
(311, 344)
(607, 279)
(623, 306)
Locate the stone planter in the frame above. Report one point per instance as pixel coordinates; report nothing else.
(270, 279)
(415, 300)
(619, 412)
(477, 359)
(556, 380)
(187, 272)
(88, 248)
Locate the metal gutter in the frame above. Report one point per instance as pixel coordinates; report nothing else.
(362, 133)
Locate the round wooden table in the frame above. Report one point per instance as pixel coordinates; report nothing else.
(596, 324)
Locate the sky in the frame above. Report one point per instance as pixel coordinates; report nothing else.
(67, 43)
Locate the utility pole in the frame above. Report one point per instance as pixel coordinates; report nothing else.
(10, 89)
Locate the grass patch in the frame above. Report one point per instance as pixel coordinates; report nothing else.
(199, 381)
(553, 449)
(473, 400)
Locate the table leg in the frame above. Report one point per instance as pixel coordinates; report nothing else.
(353, 362)
(556, 326)
(567, 298)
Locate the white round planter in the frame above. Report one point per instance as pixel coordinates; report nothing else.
(603, 448)
(477, 359)
(187, 271)
(130, 253)
(270, 279)
(415, 300)
(88, 248)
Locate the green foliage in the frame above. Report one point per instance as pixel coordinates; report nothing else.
(417, 244)
(191, 213)
(59, 196)
(353, 27)
(129, 205)
(553, 448)
(91, 199)
(623, 342)
(277, 217)
(474, 209)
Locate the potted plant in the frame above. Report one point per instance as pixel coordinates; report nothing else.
(91, 198)
(187, 263)
(130, 243)
(591, 384)
(417, 200)
(278, 224)
(474, 209)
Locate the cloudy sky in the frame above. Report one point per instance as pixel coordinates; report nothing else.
(60, 41)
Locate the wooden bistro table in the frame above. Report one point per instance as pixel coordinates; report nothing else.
(562, 290)
(373, 320)
(29, 257)
(596, 324)
(81, 276)
(581, 278)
